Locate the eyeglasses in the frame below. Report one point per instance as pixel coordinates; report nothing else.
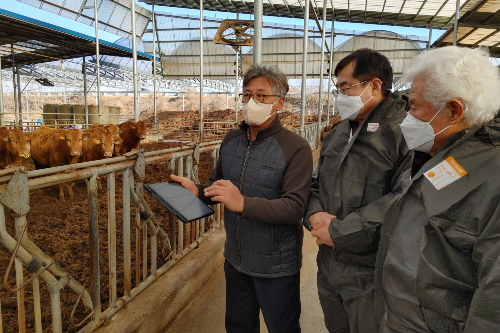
(343, 90)
(259, 98)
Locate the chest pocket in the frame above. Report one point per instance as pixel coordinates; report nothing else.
(366, 178)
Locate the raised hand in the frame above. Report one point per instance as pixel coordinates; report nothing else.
(226, 192)
(187, 183)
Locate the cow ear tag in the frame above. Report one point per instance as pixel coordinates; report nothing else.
(117, 142)
(84, 138)
(121, 132)
(62, 138)
(6, 140)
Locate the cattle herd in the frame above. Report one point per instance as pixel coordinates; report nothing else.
(56, 147)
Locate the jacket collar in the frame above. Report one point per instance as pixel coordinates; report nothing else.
(490, 132)
(270, 130)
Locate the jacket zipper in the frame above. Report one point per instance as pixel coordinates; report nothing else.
(241, 189)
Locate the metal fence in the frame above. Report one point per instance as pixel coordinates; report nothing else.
(179, 239)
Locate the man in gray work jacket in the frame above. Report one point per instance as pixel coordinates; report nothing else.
(361, 159)
(438, 266)
(263, 179)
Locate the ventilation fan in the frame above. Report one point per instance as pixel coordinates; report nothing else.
(235, 33)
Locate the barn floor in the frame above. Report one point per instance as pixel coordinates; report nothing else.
(205, 313)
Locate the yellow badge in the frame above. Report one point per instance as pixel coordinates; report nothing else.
(445, 173)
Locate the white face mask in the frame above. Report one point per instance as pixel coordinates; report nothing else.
(419, 135)
(349, 106)
(256, 113)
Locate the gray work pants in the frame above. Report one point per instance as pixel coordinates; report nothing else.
(346, 295)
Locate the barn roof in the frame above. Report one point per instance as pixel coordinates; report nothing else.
(34, 41)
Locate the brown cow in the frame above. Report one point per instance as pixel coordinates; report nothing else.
(56, 147)
(113, 129)
(131, 134)
(12, 147)
(96, 146)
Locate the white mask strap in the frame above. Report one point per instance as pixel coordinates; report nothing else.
(437, 114)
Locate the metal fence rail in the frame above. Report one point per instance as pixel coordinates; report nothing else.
(311, 133)
(26, 256)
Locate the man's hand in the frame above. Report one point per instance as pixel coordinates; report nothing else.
(187, 183)
(323, 235)
(224, 191)
(319, 219)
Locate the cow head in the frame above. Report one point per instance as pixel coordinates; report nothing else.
(118, 145)
(107, 142)
(140, 129)
(74, 142)
(16, 143)
(113, 129)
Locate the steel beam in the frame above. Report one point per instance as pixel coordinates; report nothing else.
(304, 69)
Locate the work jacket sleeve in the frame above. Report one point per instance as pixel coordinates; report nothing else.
(484, 312)
(314, 204)
(359, 231)
(296, 183)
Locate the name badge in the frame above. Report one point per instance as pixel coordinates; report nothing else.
(445, 173)
(372, 127)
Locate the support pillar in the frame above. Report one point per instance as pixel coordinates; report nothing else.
(330, 72)
(134, 57)
(98, 61)
(201, 72)
(305, 41)
(455, 27)
(322, 61)
(257, 29)
(154, 68)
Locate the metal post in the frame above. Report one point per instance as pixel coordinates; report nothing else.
(257, 30)
(429, 42)
(182, 102)
(304, 68)
(330, 73)
(127, 275)
(112, 238)
(154, 68)
(36, 306)
(20, 122)
(21, 310)
(64, 87)
(95, 285)
(14, 79)
(322, 62)
(98, 61)
(85, 94)
(27, 105)
(134, 56)
(201, 71)
(2, 121)
(236, 100)
(455, 28)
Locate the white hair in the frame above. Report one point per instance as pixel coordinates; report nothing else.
(462, 73)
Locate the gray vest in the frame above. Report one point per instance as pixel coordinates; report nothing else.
(254, 247)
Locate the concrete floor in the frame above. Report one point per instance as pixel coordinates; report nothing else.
(205, 314)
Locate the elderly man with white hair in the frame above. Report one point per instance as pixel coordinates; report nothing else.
(438, 264)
